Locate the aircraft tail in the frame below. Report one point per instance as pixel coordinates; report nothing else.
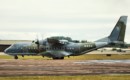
(118, 33)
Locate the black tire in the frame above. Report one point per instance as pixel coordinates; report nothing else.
(62, 58)
(16, 57)
(22, 55)
(58, 58)
(108, 55)
(43, 56)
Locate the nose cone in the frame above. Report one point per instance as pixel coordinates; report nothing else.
(6, 50)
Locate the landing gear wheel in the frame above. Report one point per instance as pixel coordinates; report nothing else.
(22, 55)
(62, 58)
(58, 58)
(16, 57)
(108, 55)
(43, 56)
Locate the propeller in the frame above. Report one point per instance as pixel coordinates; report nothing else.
(40, 43)
(37, 42)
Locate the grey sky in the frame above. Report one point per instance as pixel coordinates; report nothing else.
(79, 19)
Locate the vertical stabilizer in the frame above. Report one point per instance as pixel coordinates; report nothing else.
(118, 32)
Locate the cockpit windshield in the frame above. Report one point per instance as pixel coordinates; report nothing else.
(20, 44)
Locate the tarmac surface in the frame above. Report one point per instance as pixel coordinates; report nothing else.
(31, 67)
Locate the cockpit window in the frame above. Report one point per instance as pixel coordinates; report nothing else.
(17, 45)
(13, 45)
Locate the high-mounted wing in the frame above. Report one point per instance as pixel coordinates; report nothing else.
(57, 42)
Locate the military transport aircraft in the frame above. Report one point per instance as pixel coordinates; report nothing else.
(58, 47)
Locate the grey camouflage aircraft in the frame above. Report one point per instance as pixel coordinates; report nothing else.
(58, 47)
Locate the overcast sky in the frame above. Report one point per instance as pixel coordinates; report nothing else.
(79, 19)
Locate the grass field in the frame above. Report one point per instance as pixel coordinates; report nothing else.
(82, 57)
(85, 77)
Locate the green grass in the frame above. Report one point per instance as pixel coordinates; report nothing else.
(82, 57)
(87, 77)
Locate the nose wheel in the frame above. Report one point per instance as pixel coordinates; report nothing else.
(15, 57)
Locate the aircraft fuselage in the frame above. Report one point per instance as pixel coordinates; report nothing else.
(70, 49)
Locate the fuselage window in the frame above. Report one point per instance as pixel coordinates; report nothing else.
(85, 45)
(71, 48)
(89, 45)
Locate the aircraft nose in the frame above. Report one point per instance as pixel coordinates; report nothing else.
(7, 50)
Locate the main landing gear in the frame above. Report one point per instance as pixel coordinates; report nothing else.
(108, 55)
(15, 57)
(58, 58)
(22, 55)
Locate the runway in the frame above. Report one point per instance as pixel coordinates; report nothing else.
(103, 61)
(9, 67)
